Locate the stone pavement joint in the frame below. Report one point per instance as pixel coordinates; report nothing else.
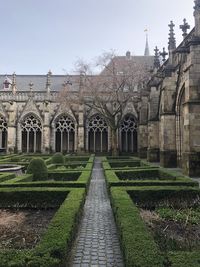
(97, 242)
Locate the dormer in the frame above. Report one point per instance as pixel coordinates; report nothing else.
(7, 83)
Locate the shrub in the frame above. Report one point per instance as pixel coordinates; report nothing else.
(58, 158)
(38, 168)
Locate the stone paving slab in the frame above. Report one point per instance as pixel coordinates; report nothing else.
(97, 242)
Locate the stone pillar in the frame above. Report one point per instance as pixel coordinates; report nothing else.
(19, 138)
(11, 141)
(46, 130)
(168, 153)
(142, 141)
(153, 152)
(143, 127)
(81, 132)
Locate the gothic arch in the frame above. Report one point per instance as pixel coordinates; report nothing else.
(64, 126)
(31, 133)
(128, 134)
(97, 134)
(3, 133)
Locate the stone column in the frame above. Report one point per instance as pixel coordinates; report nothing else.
(142, 131)
(153, 152)
(81, 132)
(11, 141)
(19, 138)
(142, 140)
(46, 129)
(168, 153)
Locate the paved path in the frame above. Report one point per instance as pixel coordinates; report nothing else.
(97, 243)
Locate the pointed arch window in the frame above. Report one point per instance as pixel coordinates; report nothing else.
(128, 134)
(31, 134)
(65, 134)
(3, 133)
(97, 129)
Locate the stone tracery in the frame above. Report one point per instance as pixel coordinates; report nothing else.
(65, 134)
(3, 133)
(128, 134)
(97, 129)
(31, 134)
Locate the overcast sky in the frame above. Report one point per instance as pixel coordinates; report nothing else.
(38, 35)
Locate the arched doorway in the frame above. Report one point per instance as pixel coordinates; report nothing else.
(31, 134)
(97, 130)
(128, 134)
(65, 133)
(3, 133)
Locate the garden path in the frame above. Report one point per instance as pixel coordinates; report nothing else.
(97, 243)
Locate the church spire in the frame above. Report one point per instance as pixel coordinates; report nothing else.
(146, 52)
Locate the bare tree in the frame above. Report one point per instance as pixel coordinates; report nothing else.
(109, 92)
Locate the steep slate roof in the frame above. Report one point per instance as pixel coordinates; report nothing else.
(57, 81)
(39, 82)
(121, 62)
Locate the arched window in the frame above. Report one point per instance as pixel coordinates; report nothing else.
(31, 134)
(128, 134)
(179, 128)
(3, 133)
(97, 134)
(65, 132)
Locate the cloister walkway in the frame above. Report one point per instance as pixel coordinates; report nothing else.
(97, 243)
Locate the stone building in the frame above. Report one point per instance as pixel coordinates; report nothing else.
(32, 118)
(161, 122)
(169, 123)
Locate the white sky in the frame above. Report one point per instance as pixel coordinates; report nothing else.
(38, 35)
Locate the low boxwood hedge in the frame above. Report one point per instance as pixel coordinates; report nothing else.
(53, 249)
(139, 247)
(124, 163)
(156, 196)
(137, 243)
(113, 180)
(27, 181)
(5, 176)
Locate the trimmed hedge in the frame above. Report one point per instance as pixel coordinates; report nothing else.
(27, 181)
(31, 197)
(63, 175)
(58, 158)
(113, 180)
(143, 174)
(5, 176)
(124, 164)
(38, 168)
(53, 249)
(151, 197)
(138, 246)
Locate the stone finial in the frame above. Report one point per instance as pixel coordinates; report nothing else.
(197, 5)
(197, 18)
(128, 55)
(184, 28)
(48, 82)
(66, 83)
(172, 40)
(163, 54)
(14, 88)
(31, 86)
(156, 58)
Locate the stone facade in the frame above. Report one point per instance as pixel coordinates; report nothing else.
(174, 103)
(161, 121)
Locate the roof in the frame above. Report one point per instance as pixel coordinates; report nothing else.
(57, 81)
